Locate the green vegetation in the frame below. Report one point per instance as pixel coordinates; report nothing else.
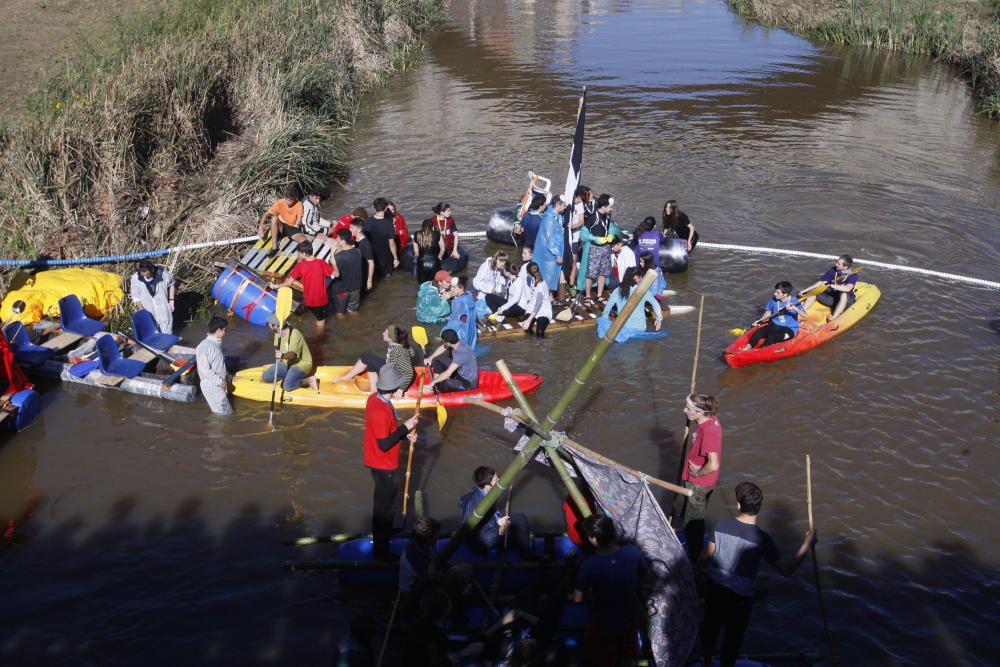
(964, 33)
(202, 112)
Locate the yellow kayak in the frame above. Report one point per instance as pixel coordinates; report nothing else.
(354, 393)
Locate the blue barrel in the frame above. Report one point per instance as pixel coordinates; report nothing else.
(246, 295)
(28, 405)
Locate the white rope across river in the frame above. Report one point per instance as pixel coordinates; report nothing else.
(764, 250)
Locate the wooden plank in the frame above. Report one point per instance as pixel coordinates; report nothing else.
(63, 340)
(143, 355)
(110, 380)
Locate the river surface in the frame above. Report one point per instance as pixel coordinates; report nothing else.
(148, 532)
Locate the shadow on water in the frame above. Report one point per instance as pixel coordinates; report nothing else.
(160, 591)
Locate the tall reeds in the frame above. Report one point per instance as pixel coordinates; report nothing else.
(203, 114)
(964, 33)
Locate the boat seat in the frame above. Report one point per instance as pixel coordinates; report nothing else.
(73, 318)
(146, 332)
(24, 350)
(112, 362)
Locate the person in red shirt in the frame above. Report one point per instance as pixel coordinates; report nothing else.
(345, 222)
(310, 274)
(383, 434)
(402, 233)
(701, 469)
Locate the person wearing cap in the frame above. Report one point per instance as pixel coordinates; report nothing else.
(701, 469)
(596, 236)
(383, 433)
(548, 247)
(213, 377)
(454, 364)
(433, 299)
(152, 289)
(399, 355)
(292, 358)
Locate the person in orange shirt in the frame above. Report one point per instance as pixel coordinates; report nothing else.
(285, 217)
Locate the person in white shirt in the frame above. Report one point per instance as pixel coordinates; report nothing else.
(312, 224)
(529, 295)
(493, 280)
(214, 379)
(623, 258)
(152, 289)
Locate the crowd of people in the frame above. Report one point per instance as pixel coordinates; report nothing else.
(568, 251)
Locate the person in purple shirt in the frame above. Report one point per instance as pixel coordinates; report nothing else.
(648, 239)
(840, 280)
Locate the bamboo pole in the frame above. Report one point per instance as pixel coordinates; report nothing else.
(812, 552)
(409, 455)
(688, 431)
(572, 444)
(557, 463)
(571, 391)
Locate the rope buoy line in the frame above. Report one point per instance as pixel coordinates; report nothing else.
(131, 257)
(866, 262)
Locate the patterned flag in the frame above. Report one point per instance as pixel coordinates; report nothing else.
(576, 152)
(672, 603)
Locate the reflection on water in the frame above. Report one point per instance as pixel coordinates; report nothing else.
(765, 139)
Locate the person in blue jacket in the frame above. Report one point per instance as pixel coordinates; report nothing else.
(780, 318)
(531, 221)
(463, 314)
(548, 246)
(491, 531)
(636, 323)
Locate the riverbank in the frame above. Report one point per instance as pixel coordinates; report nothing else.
(199, 115)
(965, 34)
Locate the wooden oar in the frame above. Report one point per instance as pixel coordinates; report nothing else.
(409, 456)
(420, 338)
(688, 433)
(812, 552)
(282, 309)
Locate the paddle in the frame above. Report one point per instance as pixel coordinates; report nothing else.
(420, 338)
(282, 310)
(409, 456)
(812, 552)
(172, 378)
(740, 332)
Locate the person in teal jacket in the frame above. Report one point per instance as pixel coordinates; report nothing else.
(432, 299)
(636, 323)
(595, 237)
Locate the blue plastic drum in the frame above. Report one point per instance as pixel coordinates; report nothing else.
(244, 294)
(29, 405)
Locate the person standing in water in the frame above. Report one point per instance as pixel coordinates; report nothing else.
(212, 374)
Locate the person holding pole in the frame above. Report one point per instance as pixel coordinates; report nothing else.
(383, 434)
(731, 559)
(701, 469)
(492, 527)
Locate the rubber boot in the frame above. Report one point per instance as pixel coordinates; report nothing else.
(561, 296)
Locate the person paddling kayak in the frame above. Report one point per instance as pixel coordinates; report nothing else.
(840, 282)
(781, 318)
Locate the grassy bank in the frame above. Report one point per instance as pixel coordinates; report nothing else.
(196, 117)
(963, 33)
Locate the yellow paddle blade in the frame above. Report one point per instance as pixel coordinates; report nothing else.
(419, 335)
(284, 306)
(564, 315)
(442, 416)
(737, 332)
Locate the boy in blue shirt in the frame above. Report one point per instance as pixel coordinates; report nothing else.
(780, 318)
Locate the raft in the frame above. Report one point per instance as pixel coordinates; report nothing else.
(354, 394)
(245, 294)
(814, 331)
(673, 250)
(582, 318)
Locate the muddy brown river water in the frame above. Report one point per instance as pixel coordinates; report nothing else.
(149, 532)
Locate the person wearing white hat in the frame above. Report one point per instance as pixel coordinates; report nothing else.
(383, 434)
